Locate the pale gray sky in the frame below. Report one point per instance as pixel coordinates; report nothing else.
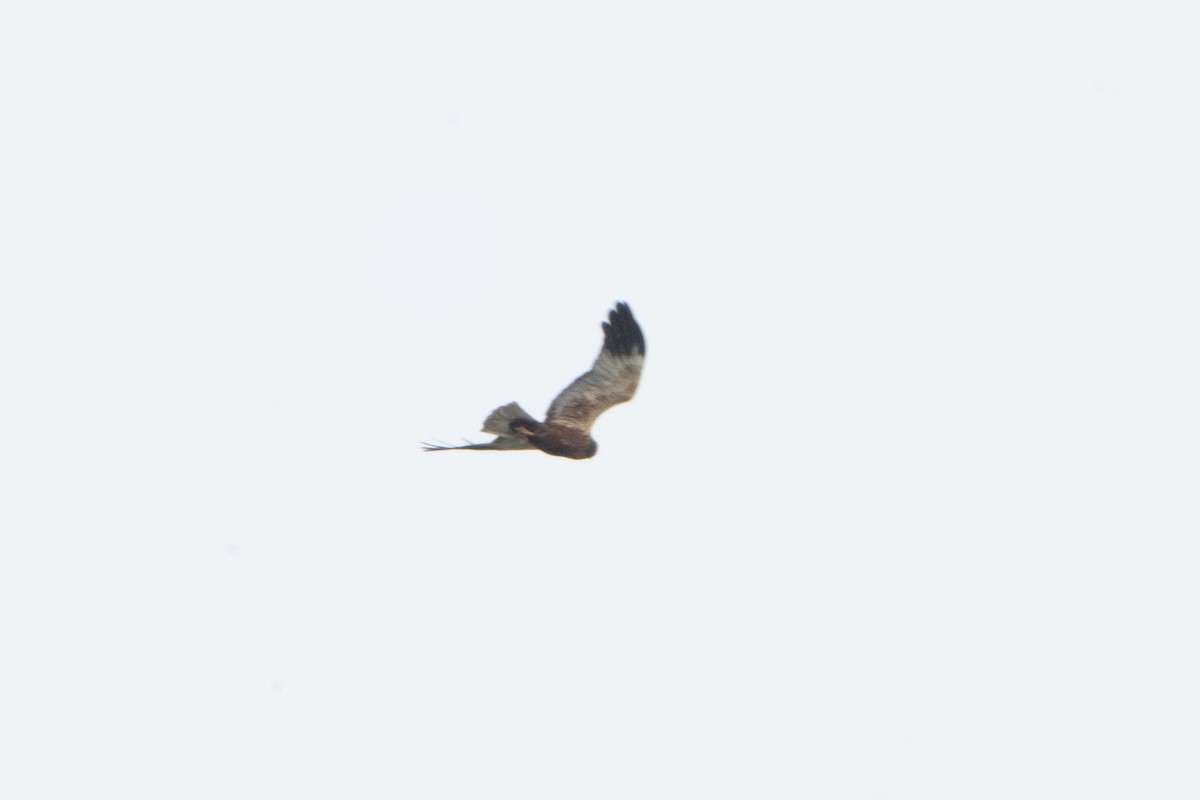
(906, 504)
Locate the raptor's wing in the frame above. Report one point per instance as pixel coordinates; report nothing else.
(499, 443)
(613, 378)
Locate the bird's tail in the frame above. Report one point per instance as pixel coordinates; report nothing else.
(498, 421)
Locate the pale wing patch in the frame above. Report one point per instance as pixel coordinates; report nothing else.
(611, 381)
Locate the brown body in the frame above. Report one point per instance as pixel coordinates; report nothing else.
(555, 439)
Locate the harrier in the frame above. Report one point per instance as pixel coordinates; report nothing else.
(567, 430)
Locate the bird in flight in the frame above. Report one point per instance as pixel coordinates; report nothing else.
(567, 431)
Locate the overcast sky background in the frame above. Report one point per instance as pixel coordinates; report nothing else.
(906, 506)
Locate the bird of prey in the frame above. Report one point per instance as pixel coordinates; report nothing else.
(567, 430)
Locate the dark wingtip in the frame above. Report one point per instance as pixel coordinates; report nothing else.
(622, 334)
